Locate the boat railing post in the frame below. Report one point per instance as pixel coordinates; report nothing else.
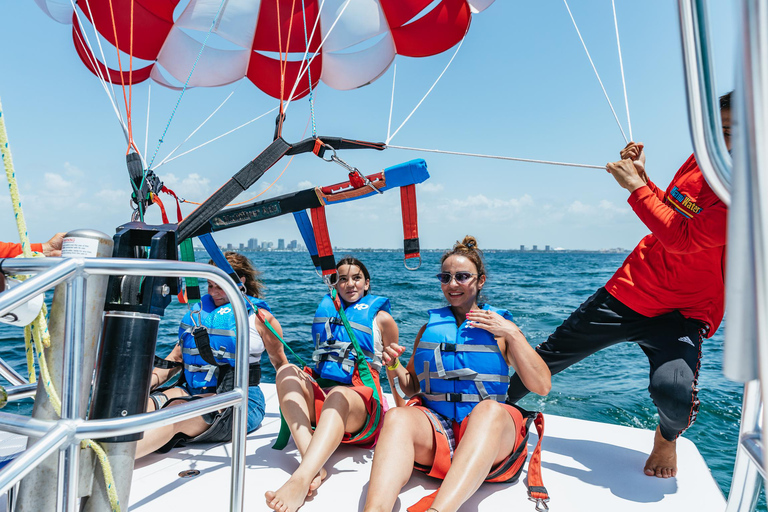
(745, 484)
(703, 107)
(240, 414)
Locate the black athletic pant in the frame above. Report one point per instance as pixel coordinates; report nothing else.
(671, 342)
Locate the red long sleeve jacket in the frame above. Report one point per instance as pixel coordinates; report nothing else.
(681, 264)
(10, 250)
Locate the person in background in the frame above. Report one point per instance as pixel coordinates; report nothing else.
(50, 248)
(667, 296)
(200, 378)
(458, 428)
(331, 403)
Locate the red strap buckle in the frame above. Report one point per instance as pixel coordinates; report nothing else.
(356, 179)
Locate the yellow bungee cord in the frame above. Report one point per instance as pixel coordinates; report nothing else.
(36, 334)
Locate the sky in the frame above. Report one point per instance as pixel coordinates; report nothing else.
(520, 86)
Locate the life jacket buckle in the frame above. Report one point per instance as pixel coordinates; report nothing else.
(448, 347)
(541, 503)
(453, 397)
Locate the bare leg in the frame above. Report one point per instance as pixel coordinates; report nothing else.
(488, 440)
(662, 462)
(343, 411)
(405, 438)
(156, 438)
(297, 404)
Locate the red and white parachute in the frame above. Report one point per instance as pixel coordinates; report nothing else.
(355, 40)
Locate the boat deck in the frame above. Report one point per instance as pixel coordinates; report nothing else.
(585, 466)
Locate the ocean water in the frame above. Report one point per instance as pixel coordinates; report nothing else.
(541, 290)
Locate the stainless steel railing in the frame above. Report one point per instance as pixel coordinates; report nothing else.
(65, 434)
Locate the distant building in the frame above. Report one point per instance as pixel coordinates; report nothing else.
(293, 245)
(253, 244)
(242, 246)
(229, 247)
(547, 248)
(522, 247)
(535, 248)
(280, 244)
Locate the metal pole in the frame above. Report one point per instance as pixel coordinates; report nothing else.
(745, 484)
(38, 491)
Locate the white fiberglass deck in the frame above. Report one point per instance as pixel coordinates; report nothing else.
(585, 466)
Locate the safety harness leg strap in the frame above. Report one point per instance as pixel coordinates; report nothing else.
(323, 241)
(410, 222)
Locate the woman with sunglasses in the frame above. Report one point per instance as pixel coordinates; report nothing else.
(339, 400)
(458, 427)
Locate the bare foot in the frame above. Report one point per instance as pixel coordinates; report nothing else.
(662, 462)
(291, 496)
(317, 481)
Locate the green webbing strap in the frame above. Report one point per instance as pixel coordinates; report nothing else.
(193, 285)
(3, 397)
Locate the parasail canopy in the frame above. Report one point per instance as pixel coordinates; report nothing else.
(355, 41)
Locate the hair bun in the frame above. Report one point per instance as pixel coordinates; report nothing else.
(469, 243)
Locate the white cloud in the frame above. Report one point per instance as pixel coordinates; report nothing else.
(430, 188)
(193, 186)
(304, 184)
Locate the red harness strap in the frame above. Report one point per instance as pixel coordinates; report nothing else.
(410, 222)
(323, 241)
(505, 472)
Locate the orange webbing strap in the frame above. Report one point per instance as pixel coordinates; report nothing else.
(536, 490)
(410, 222)
(156, 199)
(442, 462)
(178, 202)
(323, 241)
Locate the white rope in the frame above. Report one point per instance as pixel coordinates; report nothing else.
(621, 66)
(94, 62)
(392, 101)
(169, 155)
(216, 138)
(303, 69)
(146, 132)
(390, 137)
(495, 157)
(595, 70)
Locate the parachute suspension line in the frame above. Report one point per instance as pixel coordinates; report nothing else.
(621, 66)
(495, 157)
(198, 128)
(595, 70)
(309, 72)
(146, 130)
(283, 62)
(120, 67)
(37, 331)
(186, 84)
(131, 143)
(392, 101)
(216, 138)
(390, 137)
(303, 70)
(91, 54)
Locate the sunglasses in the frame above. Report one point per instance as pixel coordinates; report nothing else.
(460, 277)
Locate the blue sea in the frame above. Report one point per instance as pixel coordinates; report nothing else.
(541, 290)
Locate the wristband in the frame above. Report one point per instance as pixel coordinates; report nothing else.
(394, 366)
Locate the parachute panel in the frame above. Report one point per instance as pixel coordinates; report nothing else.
(236, 22)
(361, 21)
(264, 72)
(346, 71)
(435, 32)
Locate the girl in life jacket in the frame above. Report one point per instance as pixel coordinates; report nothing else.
(458, 428)
(201, 378)
(339, 399)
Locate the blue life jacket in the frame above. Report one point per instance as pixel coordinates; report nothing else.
(219, 323)
(457, 367)
(334, 352)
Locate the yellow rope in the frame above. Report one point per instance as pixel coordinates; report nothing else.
(38, 329)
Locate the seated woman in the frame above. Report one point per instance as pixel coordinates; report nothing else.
(201, 378)
(331, 404)
(460, 429)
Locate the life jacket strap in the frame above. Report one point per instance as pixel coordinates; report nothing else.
(165, 364)
(461, 397)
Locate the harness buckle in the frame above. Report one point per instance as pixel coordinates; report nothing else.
(448, 347)
(453, 397)
(541, 503)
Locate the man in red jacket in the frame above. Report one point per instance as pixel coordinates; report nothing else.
(667, 296)
(50, 248)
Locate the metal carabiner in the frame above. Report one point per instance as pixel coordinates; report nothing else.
(541, 503)
(330, 280)
(405, 263)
